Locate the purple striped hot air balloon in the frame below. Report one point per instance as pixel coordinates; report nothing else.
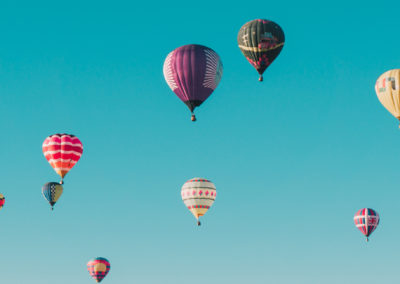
(193, 72)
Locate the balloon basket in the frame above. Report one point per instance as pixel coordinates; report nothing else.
(193, 118)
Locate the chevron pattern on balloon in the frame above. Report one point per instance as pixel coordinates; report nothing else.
(214, 69)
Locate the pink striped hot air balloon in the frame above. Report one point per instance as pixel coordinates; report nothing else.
(366, 221)
(98, 268)
(62, 151)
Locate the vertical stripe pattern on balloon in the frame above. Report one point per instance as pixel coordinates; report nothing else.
(366, 220)
(214, 69)
(193, 72)
(62, 151)
(388, 91)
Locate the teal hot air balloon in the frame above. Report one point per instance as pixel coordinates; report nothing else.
(52, 192)
(261, 41)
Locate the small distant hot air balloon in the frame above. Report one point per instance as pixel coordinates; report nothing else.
(98, 268)
(62, 151)
(193, 72)
(2, 200)
(198, 194)
(366, 221)
(52, 192)
(261, 41)
(388, 91)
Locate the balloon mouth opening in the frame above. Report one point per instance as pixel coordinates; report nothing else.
(193, 118)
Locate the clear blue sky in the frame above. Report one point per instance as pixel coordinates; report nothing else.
(293, 158)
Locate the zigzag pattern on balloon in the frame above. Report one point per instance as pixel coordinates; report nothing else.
(198, 206)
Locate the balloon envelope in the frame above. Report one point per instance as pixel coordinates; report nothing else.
(62, 151)
(2, 200)
(52, 192)
(388, 91)
(98, 268)
(193, 72)
(366, 220)
(261, 41)
(198, 194)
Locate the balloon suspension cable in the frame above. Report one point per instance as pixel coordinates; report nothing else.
(193, 118)
(261, 78)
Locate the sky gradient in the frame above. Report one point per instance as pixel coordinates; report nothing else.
(293, 158)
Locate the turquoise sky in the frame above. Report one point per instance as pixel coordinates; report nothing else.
(293, 158)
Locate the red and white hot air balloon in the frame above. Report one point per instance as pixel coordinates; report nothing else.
(62, 151)
(366, 221)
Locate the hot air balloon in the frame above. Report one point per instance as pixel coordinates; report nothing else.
(193, 72)
(98, 268)
(366, 221)
(62, 151)
(198, 194)
(52, 192)
(388, 91)
(261, 41)
(2, 200)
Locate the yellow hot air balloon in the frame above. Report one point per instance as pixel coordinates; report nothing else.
(388, 91)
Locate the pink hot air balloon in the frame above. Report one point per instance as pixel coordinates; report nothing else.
(62, 151)
(193, 72)
(2, 200)
(98, 268)
(366, 221)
